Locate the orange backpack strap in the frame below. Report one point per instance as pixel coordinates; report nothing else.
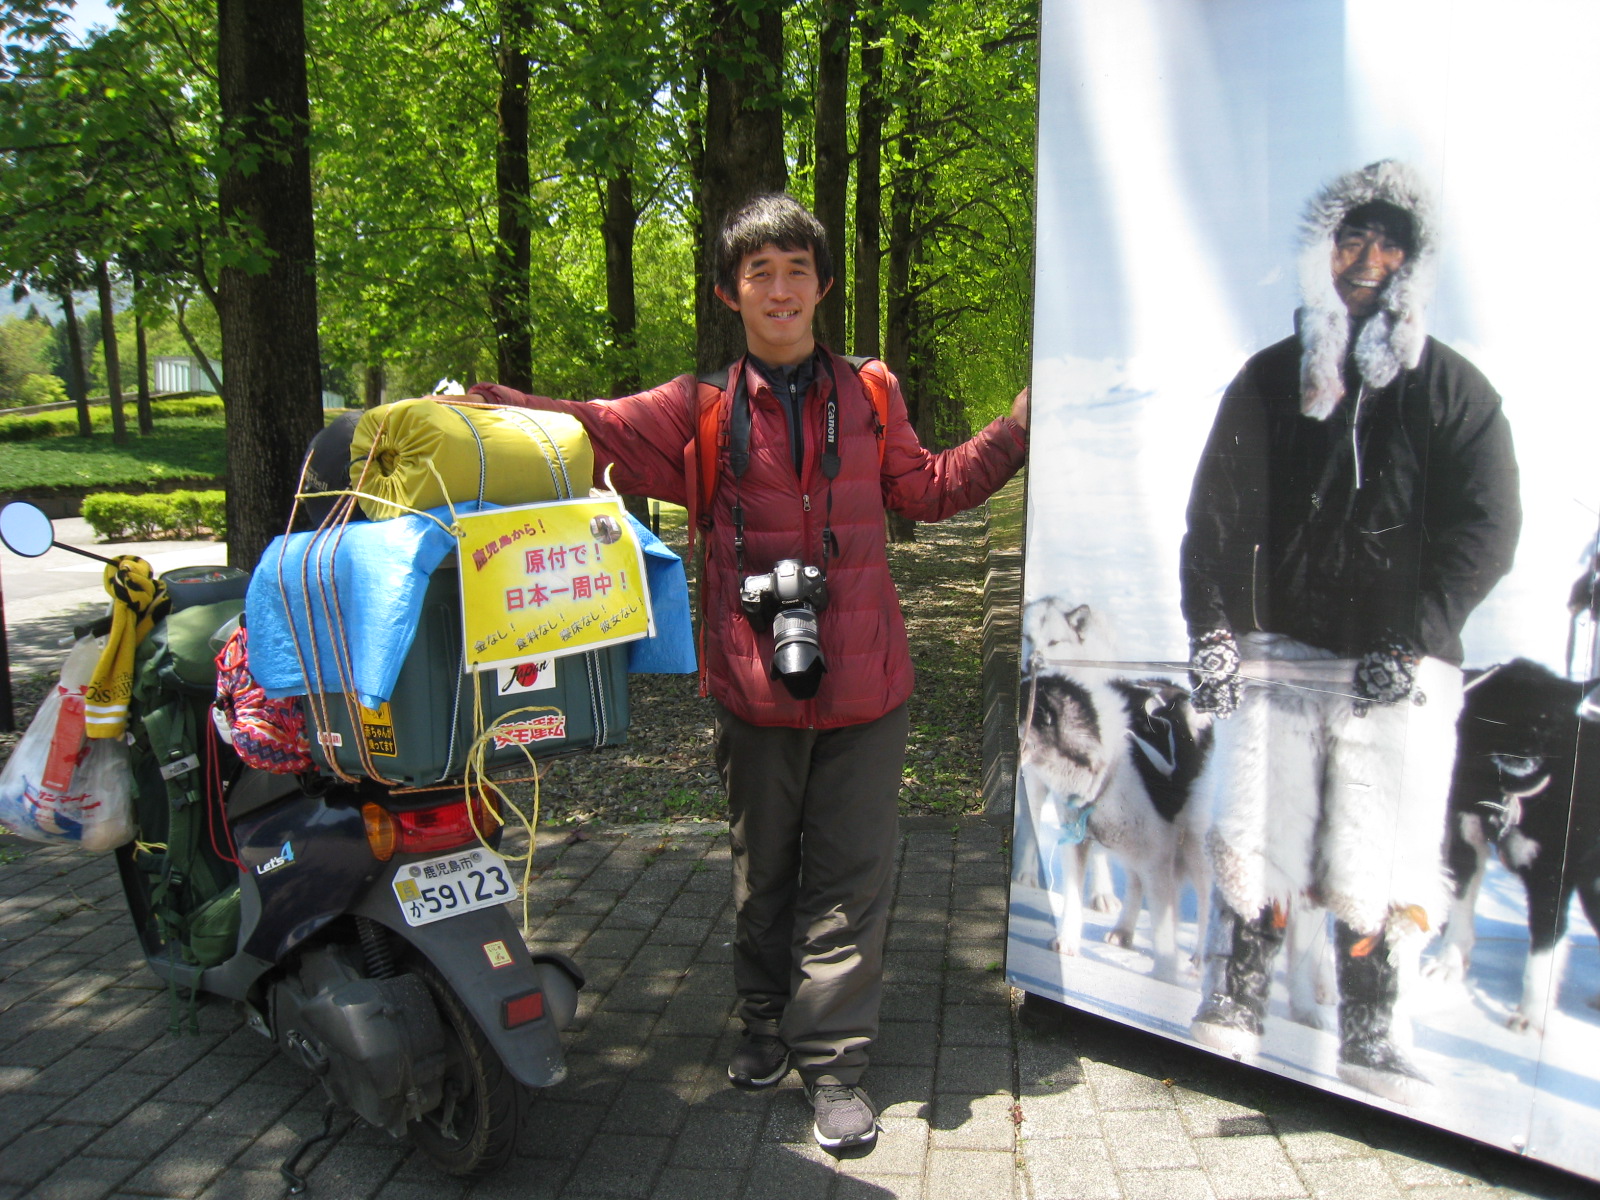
(701, 455)
(874, 378)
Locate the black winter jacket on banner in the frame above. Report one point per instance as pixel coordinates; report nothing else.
(1390, 519)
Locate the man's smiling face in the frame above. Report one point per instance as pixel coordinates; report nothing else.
(1366, 252)
(778, 292)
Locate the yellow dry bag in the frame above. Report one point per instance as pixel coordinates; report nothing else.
(479, 452)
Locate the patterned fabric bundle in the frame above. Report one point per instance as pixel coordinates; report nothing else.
(139, 600)
(269, 735)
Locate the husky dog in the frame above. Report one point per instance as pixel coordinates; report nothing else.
(1053, 633)
(1526, 782)
(1111, 759)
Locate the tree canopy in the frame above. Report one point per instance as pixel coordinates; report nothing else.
(524, 186)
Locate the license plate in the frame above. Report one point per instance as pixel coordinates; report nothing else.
(451, 885)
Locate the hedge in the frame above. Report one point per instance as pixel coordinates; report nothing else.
(118, 516)
(25, 427)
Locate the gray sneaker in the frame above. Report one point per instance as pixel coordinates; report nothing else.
(844, 1115)
(760, 1061)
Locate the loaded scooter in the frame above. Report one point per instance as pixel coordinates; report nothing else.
(362, 928)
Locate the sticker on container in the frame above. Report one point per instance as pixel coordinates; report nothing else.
(535, 675)
(499, 956)
(525, 733)
(377, 730)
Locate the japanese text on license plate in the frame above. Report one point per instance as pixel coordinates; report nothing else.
(452, 884)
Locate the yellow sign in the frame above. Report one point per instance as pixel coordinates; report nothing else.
(553, 578)
(377, 729)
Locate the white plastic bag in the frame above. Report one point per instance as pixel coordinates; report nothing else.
(61, 786)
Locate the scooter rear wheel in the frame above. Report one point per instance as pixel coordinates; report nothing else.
(474, 1130)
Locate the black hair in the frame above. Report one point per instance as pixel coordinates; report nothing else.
(1380, 216)
(777, 219)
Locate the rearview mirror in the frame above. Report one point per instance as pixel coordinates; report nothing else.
(25, 529)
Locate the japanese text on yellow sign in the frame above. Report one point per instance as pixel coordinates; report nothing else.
(551, 578)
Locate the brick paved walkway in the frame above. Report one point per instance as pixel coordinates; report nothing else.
(981, 1098)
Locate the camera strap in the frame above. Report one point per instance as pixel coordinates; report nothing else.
(739, 459)
(830, 460)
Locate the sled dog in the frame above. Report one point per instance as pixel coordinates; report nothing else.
(1527, 784)
(1112, 760)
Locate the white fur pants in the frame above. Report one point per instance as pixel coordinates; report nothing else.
(1309, 799)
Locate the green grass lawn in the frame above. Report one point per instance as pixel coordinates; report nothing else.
(180, 448)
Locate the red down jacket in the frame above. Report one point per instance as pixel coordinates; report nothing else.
(862, 631)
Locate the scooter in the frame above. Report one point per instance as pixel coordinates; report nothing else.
(373, 946)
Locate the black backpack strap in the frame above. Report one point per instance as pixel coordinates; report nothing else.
(738, 418)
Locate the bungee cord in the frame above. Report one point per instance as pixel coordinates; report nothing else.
(477, 772)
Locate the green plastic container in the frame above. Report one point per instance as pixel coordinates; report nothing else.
(425, 733)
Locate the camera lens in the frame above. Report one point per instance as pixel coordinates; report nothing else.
(797, 652)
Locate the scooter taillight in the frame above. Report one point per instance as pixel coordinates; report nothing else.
(420, 830)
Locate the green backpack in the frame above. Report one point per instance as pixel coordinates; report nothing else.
(194, 890)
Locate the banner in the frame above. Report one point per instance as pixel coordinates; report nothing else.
(1309, 607)
(550, 579)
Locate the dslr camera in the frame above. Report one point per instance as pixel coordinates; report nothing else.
(788, 598)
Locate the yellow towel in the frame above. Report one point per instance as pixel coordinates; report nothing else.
(139, 600)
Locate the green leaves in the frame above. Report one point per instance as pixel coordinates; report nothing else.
(112, 150)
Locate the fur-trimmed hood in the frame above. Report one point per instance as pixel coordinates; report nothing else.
(1390, 340)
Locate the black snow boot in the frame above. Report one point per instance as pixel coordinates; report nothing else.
(1369, 985)
(1238, 976)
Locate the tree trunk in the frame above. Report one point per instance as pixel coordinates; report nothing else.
(200, 356)
(372, 385)
(743, 149)
(869, 187)
(269, 317)
(141, 364)
(619, 221)
(908, 179)
(77, 384)
(833, 160)
(108, 346)
(897, 341)
(513, 252)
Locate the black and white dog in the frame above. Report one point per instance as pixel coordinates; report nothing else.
(1114, 760)
(1527, 783)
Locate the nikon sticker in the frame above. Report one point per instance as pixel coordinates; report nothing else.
(542, 580)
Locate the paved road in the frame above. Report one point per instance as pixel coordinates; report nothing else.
(982, 1097)
(46, 596)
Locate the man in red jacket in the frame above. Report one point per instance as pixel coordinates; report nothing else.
(811, 765)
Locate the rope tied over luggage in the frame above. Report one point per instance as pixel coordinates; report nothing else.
(381, 472)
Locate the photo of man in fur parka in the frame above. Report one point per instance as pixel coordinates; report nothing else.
(1357, 498)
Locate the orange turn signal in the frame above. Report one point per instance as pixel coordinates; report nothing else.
(380, 831)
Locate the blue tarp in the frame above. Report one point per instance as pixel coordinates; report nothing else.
(671, 650)
(379, 570)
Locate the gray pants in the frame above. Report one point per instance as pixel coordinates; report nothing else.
(814, 821)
